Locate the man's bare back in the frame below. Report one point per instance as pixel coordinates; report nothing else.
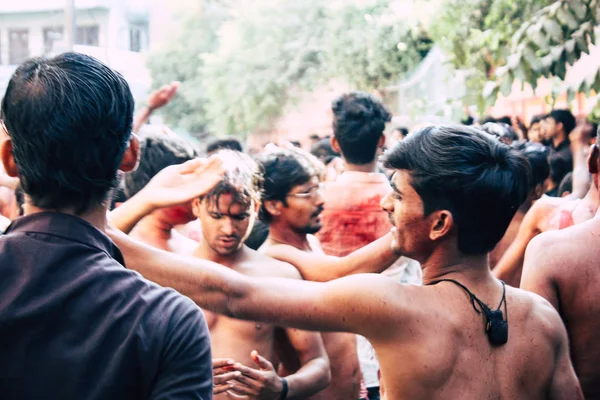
(340, 347)
(548, 213)
(563, 267)
(447, 355)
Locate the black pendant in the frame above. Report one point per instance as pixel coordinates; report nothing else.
(496, 328)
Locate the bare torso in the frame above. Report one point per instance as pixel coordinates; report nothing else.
(343, 357)
(234, 338)
(577, 280)
(449, 352)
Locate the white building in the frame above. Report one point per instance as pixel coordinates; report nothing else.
(114, 31)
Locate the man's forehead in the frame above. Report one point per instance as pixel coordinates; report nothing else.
(311, 182)
(401, 181)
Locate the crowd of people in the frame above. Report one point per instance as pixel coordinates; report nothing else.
(440, 262)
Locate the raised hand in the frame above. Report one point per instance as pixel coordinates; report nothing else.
(178, 184)
(162, 96)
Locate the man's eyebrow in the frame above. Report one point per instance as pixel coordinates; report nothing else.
(395, 189)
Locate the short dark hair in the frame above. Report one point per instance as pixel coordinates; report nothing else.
(565, 117)
(283, 170)
(324, 151)
(479, 179)
(156, 153)
(224, 144)
(500, 130)
(402, 130)
(70, 119)
(536, 119)
(358, 122)
(537, 155)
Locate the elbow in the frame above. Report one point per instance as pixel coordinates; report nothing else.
(325, 376)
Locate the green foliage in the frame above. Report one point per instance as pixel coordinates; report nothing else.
(182, 61)
(242, 71)
(554, 37)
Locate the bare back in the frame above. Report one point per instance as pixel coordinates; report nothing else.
(563, 267)
(447, 353)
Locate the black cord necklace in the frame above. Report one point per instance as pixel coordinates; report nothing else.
(496, 327)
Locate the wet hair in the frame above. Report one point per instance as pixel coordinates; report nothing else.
(283, 170)
(537, 119)
(565, 117)
(502, 131)
(70, 119)
(156, 153)
(479, 179)
(243, 179)
(537, 155)
(358, 123)
(324, 151)
(224, 144)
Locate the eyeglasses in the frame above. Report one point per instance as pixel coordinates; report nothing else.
(309, 193)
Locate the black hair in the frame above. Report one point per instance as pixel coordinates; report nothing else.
(258, 235)
(537, 155)
(156, 153)
(224, 144)
(566, 185)
(565, 117)
(537, 119)
(479, 179)
(358, 123)
(324, 151)
(296, 143)
(283, 170)
(403, 131)
(70, 119)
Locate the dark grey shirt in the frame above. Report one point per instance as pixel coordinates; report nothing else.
(75, 324)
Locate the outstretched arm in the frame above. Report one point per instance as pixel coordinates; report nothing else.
(339, 306)
(372, 258)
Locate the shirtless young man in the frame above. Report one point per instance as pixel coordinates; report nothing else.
(552, 213)
(562, 266)
(226, 215)
(157, 227)
(445, 180)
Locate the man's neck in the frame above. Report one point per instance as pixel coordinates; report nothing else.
(368, 168)
(284, 234)
(205, 252)
(96, 216)
(467, 269)
(558, 139)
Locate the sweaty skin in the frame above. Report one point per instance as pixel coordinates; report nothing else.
(562, 266)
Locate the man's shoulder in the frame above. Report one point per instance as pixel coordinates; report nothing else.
(267, 266)
(534, 313)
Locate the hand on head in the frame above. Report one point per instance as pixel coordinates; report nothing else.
(179, 184)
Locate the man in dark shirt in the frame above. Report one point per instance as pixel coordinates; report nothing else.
(556, 128)
(74, 323)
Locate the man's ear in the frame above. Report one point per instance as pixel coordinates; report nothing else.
(196, 204)
(8, 158)
(441, 224)
(273, 207)
(335, 144)
(381, 141)
(131, 157)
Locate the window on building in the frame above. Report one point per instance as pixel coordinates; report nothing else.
(52, 35)
(88, 35)
(18, 45)
(138, 34)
